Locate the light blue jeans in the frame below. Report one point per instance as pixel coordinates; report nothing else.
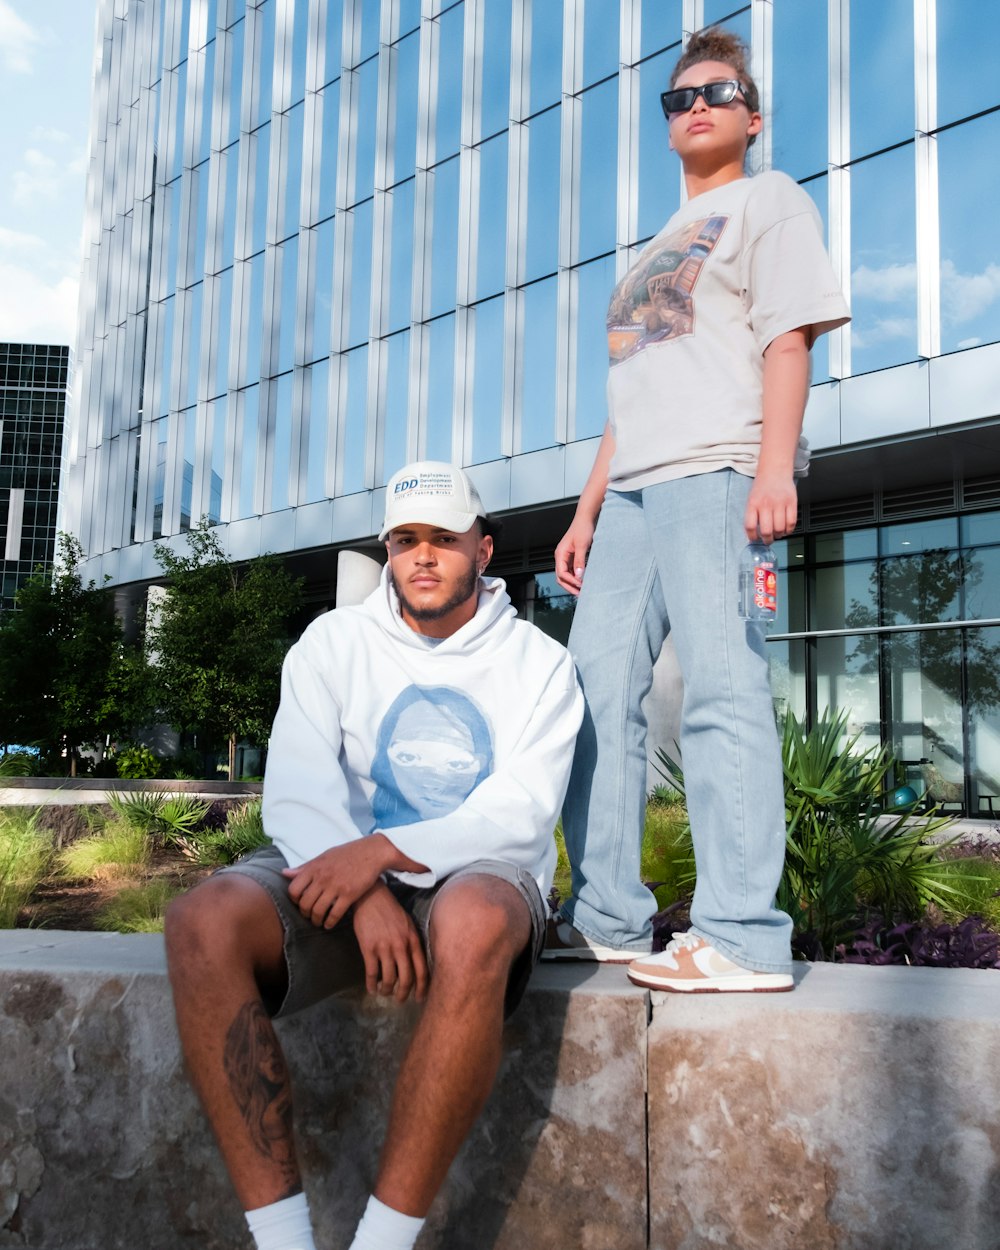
(665, 560)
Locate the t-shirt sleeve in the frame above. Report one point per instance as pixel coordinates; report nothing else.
(789, 281)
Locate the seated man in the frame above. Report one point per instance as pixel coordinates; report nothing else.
(416, 769)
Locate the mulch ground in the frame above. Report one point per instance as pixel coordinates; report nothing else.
(61, 904)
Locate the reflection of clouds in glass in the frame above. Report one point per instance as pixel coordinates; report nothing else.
(434, 746)
(964, 296)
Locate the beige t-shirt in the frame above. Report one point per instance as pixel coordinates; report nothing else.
(688, 325)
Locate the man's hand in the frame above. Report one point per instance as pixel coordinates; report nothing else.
(325, 887)
(394, 957)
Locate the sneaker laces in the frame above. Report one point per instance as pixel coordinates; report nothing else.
(683, 941)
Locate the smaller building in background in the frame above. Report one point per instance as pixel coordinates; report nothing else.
(33, 382)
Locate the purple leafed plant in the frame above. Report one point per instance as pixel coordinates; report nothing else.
(968, 944)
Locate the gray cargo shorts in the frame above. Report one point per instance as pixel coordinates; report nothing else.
(322, 962)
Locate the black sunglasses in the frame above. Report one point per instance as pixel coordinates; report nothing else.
(713, 93)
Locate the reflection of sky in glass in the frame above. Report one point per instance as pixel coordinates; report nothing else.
(492, 256)
(234, 72)
(317, 385)
(162, 375)
(250, 402)
(979, 529)
(487, 395)
(322, 287)
(355, 420)
(332, 55)
(600, 40)
(361, 273)
(969, 173)
(366, 85)
(217, 432)
(881, 74)
(842, 591)
(229, 179)
(440, 387)
(222, 320)
(329, 103)
(300, 33)
(409, 15)
(180, 104)
(254, 320)
(913, 536)
(661, 26)
(281, 441)
(538, 371)
(496, 68)
(396, 405)
(543, 194)
(449, 99)
(292, 139)
(194, 303)
(263, 63)
(982, 580)
(819, 192)
(369, 28)
(799, 116)
(204, 142)
(659, 170)
(260, 148)
(968, 39)
(599, 170)
(444, 242)
(546, 55)
(883, 292)
(288, 255)
(405, 62)
(200, 179)
(401, 263)
(595, 282)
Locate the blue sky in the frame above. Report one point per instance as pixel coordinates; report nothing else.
(46, 62)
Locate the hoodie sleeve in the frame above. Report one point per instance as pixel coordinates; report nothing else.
(511, 815)
(307, 802)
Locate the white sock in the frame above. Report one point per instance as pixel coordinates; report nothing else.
(382, 1228)
(282, 1225)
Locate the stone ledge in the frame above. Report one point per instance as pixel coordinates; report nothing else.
(861, 1112)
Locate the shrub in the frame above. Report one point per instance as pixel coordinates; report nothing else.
(173, 816)
(119, 850)
(243, 832)
(25, 854)
(18, 764)
(846, 859)
(968, 944)
(136, 761)
(138, 910)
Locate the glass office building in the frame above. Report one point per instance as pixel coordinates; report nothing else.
(325, 237)
(33, 379)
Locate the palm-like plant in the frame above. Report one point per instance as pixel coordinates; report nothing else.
(845, 857)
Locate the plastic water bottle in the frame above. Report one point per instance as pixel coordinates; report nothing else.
(759, 583)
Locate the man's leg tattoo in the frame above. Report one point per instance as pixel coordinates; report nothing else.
(258, 1080)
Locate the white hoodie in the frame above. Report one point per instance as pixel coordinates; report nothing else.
(458, 750)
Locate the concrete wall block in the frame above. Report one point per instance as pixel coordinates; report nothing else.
(860, 1113)
(102, 1142)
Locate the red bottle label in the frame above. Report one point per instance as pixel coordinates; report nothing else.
(765, 588)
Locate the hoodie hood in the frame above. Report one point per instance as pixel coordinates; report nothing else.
(494, 619)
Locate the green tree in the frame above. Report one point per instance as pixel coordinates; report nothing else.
(67, 678)
(217, 639)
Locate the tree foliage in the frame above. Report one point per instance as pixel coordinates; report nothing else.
(217, 640)
(67, 679)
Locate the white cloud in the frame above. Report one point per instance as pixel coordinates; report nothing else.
(973, 342)
(39, 178)
(19, 241)
(35, 308)
(968, 295)
(18, 41)
(884, 330)
(48, 134)
(891, 283)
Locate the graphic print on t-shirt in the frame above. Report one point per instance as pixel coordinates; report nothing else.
(653, 301)
(434, 746)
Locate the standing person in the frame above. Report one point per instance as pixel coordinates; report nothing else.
(416, 768)
(709, 336)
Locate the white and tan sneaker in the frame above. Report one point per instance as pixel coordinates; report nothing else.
(690, 965)
(562, 941)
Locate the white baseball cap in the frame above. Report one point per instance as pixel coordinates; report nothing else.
(431, 492)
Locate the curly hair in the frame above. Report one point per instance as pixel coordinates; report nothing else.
(715, 44)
